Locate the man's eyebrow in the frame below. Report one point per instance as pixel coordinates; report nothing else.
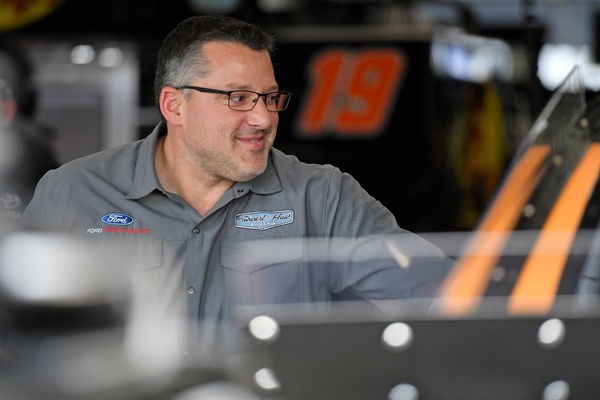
(275, 87)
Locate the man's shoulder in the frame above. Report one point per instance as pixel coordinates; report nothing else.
(117, 161)
(291, 167)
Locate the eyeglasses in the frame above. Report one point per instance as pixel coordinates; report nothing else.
(245, 100)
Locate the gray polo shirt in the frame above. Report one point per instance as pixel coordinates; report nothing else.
(264, 242)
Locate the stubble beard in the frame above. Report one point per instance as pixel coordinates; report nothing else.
(227, 166)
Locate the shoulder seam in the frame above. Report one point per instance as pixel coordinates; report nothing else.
(323, 217)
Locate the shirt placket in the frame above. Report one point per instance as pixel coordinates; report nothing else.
(202, 258)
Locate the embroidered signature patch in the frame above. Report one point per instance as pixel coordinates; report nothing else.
(262, 220)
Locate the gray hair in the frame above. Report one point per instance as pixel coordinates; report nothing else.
(180, 58)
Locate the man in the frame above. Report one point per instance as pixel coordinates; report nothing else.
(216, 214)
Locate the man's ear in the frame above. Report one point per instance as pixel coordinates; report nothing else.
(169, 101)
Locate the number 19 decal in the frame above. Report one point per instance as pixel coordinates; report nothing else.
(351, 93)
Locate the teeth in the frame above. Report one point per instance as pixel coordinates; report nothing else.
(251, 140)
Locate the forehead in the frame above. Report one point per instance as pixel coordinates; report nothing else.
(236, 61)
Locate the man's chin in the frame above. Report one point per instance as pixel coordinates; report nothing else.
(247, 174)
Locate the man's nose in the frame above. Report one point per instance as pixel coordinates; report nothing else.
(260, 115)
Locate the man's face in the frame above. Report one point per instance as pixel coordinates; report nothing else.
(224, 143)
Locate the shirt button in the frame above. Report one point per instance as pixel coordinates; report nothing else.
(196, 230)
(191, 290)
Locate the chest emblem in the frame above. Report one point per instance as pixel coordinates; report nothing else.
(262, 220)
(115, 218)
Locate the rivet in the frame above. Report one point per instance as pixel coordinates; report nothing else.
(265, 379)
(397, 336)
(551, 333)
(403, 391)
(264, 328)
(556, 390)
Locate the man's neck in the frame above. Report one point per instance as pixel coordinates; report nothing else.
(178, 175)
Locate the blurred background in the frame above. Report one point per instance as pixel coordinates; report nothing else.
(423, 101)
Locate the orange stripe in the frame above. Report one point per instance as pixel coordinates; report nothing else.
(538, 282)
(469, 278)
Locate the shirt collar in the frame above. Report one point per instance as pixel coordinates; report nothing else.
(145, 180)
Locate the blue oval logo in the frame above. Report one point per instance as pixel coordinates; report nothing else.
(117, 219)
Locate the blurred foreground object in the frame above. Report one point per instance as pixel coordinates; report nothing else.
(410, 351)
(81, 320)
(551, 189)
(77, 322)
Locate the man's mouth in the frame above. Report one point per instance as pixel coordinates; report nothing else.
(256, 141)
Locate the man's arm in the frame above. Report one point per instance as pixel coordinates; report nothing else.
(39, 213)
(380, 259)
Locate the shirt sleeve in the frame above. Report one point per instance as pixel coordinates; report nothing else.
(351, 212)
(387, 266)
(375, 259)
(43, 213)
(36, 211)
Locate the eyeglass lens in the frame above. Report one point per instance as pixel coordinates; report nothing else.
(244, 100)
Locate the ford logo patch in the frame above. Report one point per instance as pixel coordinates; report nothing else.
(117, 219)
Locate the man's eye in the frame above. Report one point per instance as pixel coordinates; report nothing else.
(238, 97)
(273, 98)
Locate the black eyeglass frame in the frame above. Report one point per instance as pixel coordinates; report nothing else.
(229, 92)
